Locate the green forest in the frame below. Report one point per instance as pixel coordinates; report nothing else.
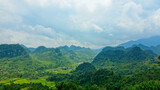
(79, 68)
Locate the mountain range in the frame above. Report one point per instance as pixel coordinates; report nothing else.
(113, 68)
(151, 41)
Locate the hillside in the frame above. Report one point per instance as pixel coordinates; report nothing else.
(85, 67)
(121, 55)
(63, 56)
(16, 61)
(62, 67)
(78, 54)
(153, 50)
(11, 50)
(124, 61)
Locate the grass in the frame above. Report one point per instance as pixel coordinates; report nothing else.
(42, 80)
(62, 70)
(25, 81)
(7, 82)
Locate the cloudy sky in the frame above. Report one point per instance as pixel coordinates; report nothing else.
(88, 23)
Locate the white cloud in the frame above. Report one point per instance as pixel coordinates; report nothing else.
(78, 5)
(38, 35)
(130, 17)
(42, 3)
(93, 23)
(9, 14)
(156, 18)
(97, 28)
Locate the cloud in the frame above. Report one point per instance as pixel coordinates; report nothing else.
(130, 17)
(97, 28)
(78, 5)
(34, 36)
(89, 23)
(156, 18)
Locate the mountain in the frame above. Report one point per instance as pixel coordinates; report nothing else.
(72, 47)
(11, 50)
(85, 67)
(63, 56)
(40, 48)
(121, 55)
(156, 49)
(152, 41)
(114, 68)
(16, 61)
(111, 53)
(113, 48)
(97, 50)
(23, 45)
(31, 49)
(78, 54)
(51, 56)
(136, 53)
(123, 61)
(153, 50)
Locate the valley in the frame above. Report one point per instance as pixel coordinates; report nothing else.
(78, 68)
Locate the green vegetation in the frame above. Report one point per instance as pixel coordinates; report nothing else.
(11, 50)
(84, 67)
(124, 61)
(63, 56)
(30, 86)
(75, 68)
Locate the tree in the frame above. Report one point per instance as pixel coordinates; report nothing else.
(159, 57)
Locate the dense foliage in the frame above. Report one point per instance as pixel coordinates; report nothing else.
(117, 55)
(124, 61)
(67, 68)
(63, 56)
(18, 62)
(11, 50)
(104, 79)
(31, 86)
(84, 67)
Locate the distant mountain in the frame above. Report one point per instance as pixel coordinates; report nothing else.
(152, 50)
(97, 50)
(113, 48)
(121, 54)
(11, 50)
(152, 41)
(78, 54)
(156, 49)
(31, 49)
(22, 45)
(63, 56)
(136, 53)
(72, 47)
(124, 60)
(40, 48)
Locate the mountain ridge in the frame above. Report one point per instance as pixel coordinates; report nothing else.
(151, 41)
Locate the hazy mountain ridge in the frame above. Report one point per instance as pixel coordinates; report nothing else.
(151, 41)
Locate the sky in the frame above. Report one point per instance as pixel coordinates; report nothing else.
(86, 23)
